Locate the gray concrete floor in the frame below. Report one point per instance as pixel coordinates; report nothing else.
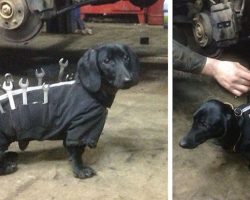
(207, 172)
(131, 155)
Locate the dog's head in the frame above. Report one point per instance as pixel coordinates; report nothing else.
(115, 64)
(211, 120)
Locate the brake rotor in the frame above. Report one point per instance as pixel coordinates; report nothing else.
(17, 22)
(202, 29)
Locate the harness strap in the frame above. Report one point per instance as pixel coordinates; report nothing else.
(238, 112)
(238, 140)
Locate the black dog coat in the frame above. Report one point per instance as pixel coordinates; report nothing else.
(81, 122)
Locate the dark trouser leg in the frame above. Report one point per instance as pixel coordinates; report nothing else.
(75, 157)
(80, 24)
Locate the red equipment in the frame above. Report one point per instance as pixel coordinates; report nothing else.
(120, 7)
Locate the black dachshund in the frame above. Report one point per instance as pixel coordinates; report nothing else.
(76, 110)
(218, 120)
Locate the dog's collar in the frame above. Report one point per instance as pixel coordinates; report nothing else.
(238, 112)
(237, 142)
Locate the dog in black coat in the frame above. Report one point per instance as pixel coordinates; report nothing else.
(217, 120)
(76, 110)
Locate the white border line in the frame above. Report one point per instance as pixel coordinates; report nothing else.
(170, 101)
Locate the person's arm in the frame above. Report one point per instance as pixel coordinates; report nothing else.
(231, 75)
(187, 60)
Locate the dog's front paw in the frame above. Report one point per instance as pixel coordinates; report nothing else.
(84, 172)
(7, 168)
(8, 163)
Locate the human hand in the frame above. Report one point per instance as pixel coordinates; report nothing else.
(231, 75)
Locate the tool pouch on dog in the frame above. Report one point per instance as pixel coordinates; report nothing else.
(14, 120)
(24, 115)
(28, 121)
(38, 115)
(7, 134)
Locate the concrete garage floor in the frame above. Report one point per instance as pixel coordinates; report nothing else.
(207, 172)
(131, 155)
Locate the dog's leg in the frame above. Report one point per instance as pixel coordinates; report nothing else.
(8, 162)
(75, 157)
(23, 144)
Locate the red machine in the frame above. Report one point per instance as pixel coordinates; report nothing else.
(152, 15)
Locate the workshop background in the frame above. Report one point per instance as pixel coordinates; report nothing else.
(131, 156)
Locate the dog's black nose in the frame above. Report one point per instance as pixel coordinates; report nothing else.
(183, 143)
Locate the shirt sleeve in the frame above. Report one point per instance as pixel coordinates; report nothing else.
(184, 59)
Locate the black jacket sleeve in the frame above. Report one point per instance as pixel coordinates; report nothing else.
(187, 60)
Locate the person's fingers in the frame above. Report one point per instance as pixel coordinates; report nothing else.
(244, 74)
(241, 88)
(242, 67)
(237, 93)
(243, 81)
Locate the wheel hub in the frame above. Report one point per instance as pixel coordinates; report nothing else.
(6, 11)
(202, 30)
(13, 13)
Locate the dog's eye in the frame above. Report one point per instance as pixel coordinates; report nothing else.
(204, 124)
(106, 61)
(126, 58)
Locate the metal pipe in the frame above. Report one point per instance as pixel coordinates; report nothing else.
(86, 2)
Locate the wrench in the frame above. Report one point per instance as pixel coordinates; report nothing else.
(24, 86)
(9, 94)
(40, 76)
(69, 77)
(9, 78)
(62, 65)
(45, 93)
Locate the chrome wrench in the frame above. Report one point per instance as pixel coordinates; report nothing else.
(45, 93)
(39, 76)
(24, 87)
(62, 65)
(8, 90)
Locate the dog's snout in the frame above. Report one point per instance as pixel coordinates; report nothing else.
(187, 143)
(183, 143)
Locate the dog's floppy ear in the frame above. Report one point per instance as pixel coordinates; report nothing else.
(88, 71)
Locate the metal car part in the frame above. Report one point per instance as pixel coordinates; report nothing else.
(220, 25)
(12, 13)
(202, 29)
(17, 22)
(224, 22)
